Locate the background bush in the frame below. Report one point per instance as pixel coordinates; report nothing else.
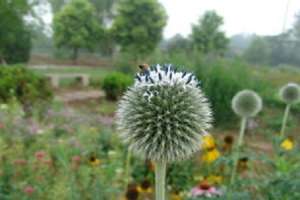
(27, 87)
(221, 80)
(115, 84)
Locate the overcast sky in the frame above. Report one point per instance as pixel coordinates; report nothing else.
(263, 17)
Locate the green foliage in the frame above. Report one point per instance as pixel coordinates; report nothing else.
(115, 84)
(179, 175)
(56, 5)
(221, 80)
(206, 35)
(258, 52)
(27, 87)
(15, 37)
(76, 26)
(138, 26)
(177, 44)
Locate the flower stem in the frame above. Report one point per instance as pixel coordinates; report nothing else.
(237, 152)
(160, 178)
(285, 117)
(127, 168)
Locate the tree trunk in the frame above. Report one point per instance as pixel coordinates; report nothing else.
(2, 61)
(75, 55)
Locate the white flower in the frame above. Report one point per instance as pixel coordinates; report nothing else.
(163, 116)
(246, 103)
(290, 93)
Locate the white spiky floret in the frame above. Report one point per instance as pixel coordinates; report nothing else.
(290, 93)
(165, 75)
(246, 103)
(164, 114)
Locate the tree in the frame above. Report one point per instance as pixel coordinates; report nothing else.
(15, 36)
(56, 5)
(206, 35)
(138, 26)
(296, 27)
(75, 26)
(258, 52)
(178, 43)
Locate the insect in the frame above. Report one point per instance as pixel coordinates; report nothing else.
(144, 69)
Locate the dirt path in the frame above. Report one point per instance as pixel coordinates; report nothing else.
(83, 95)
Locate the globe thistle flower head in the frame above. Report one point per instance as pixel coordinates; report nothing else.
(246, 103)
(163, 115)
(290, 93)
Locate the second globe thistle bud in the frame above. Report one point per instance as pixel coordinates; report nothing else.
(246, 103)
(290, 93)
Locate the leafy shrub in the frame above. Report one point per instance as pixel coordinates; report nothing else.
(27, 87)
(125, 63)
(115, 84)
(15, 35)
(18, 51)
(221, 80)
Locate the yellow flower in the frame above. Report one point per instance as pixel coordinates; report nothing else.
(175, 196)
(287, 144)
(145, 187)
(215, 179)
(211, 155)
(94, 161)
(208, 142)
(144, 190)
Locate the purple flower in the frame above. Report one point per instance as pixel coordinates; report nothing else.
(205, 190)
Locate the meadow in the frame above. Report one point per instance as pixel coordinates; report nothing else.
(72, 150)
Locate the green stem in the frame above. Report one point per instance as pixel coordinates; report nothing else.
(127, 168)
(237, 152)
(160, 178)
(285, 117)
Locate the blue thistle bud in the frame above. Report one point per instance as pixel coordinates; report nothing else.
(290, 93)
(163, 119)
(246, 103)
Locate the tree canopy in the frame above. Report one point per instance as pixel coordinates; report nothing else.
(138, 26)
(207, 36)
(258, 52)
(76, 26)
(15, 41)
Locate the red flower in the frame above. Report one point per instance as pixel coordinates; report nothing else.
(76, 159)
(28, 190)
(40, 155)
(20, 162)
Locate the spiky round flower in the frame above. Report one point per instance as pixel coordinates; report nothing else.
(165, 113)
(246, 103)
(290, 93)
